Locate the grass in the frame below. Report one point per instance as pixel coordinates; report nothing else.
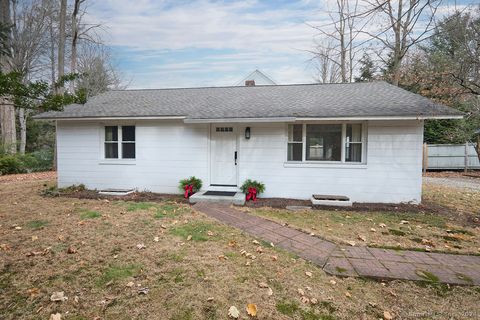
(116, 273)
(288, 308)
(90, 214)
(197, 230)
(37, 224)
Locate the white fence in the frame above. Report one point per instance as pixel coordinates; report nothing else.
(450, 156)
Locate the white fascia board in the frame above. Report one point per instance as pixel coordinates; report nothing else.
(114, 118)
(381, 118)
(239, 120)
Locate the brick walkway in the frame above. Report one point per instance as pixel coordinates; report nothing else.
(352, 261)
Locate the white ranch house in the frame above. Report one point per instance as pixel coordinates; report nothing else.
(360, 140)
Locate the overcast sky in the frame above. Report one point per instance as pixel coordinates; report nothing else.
(158, 44)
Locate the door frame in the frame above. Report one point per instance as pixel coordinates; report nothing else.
(210, 153)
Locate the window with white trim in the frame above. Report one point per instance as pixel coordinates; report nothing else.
(326, 142)
(119, 142)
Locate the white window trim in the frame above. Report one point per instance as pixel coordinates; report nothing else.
(327, 164)
(119, 160)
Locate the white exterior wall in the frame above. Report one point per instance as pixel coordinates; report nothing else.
(167, 151)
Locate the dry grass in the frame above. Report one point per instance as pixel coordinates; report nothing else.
(407, 230)
(181, 275)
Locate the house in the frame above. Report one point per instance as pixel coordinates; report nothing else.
(360, 140)
(256, 77)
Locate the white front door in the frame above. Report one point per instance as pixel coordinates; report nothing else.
(223, 155)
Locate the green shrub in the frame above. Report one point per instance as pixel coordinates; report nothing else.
(197, 184)
(23, 163)
(252, 184)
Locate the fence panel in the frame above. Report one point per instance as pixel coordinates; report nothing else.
(450, 156)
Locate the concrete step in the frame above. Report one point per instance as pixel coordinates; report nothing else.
(237, 199)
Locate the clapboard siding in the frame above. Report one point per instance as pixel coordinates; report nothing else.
(168, 151)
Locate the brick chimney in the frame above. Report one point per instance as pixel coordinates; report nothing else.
(249, 83)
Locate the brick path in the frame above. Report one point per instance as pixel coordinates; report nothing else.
(352, 261)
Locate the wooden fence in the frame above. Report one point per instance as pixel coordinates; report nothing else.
(450, 157)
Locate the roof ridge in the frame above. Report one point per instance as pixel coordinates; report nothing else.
(256, 86)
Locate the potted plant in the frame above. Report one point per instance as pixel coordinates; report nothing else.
(190, 185)
(252, 189)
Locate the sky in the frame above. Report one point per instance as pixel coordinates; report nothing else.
(179, 43)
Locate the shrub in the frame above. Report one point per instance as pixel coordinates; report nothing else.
(252, 184)
(23, 163)
(11, 164)
(197, 184)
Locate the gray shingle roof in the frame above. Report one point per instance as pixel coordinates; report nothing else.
(371, 99)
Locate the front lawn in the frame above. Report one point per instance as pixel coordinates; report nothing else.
(162, 260)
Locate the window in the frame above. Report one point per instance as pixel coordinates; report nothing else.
(325, 142)
(120, 140)
(295, 142)
(353, 143)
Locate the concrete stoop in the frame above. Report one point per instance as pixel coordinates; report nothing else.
(238, 199)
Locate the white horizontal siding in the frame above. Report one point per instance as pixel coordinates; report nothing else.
(168, 151)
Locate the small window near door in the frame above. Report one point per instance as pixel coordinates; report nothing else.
(224, 129)
(119, 141)
(353, 143)
(295, 142)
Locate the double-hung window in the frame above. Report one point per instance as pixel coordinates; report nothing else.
(119, 142)
(326, 142)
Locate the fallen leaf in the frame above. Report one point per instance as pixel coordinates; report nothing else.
(308, 288)
(373, 230)
(130, 284)
(18, 228)
(259, 249)
(255, 242)
(189, 237)
(233, 312)
(34, 238)
(308, 274)
(71, 250)
(361, 237)
(33, 292)
(232, 243)
(58, 296)
(143, 291)
(272, 245)
(404, 222)
(156, 239)
(313, 301)
(333, 282)
(210, 233)
(141, 246)
(55, 316)
(305, 300)
(387, 315)
(262, 285)
(209, 299)
(301, 292)
(274, 258)
(222, 257)
(5, 247)
(269, 292)
(382, 225)
(163, 226)
(352, 243)
(252, 309)
(348, 294)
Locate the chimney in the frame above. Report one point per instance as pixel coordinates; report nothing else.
(249, 83)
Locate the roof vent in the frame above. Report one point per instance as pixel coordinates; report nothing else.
(249, 83)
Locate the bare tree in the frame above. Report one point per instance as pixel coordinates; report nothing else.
(341, 37)
(328, 68)
(7, 110)
(401, 25)
(28, 47)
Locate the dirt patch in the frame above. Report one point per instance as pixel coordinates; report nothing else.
(474, 174)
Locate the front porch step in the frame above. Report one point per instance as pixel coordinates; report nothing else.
(237, 199)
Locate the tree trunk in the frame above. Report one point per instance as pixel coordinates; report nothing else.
(7, 110)
(22, 120)
(61, 42)
(477, 147)
(73, 61)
